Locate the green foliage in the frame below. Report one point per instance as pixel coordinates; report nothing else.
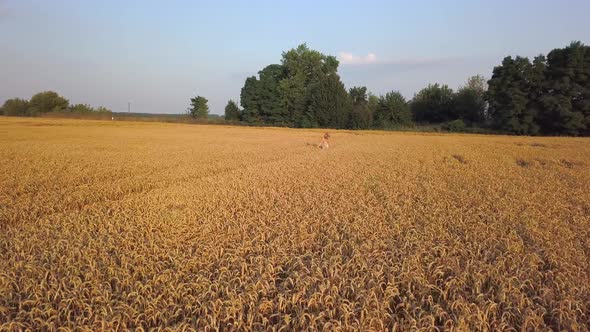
(16, 107)
(361, 116)
(250, 100)
(86, 109)
(80, 108)
(304, 69)
(329, 104)
(565, 102)
(271, 107)
(550, 95)
(199, 108)
(295, 92)
(102, 109)
(434, 104)
(508, 96)
(392, 111)
(470, 103)
(47, 101)
(455, 126)
(232, 112)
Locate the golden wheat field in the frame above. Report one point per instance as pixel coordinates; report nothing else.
(141, 226)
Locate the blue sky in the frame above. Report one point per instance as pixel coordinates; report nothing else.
(158, 54)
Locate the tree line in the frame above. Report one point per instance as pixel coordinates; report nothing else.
(550, 95)
(45, 102)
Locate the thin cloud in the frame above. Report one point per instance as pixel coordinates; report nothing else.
(350, 59)
(347, 58)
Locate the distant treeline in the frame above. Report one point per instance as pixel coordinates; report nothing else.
(46, 104)
(549, 96)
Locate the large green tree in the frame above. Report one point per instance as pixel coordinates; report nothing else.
(373, 105)
(232, 112)
(434, 104)
(329, 103)
(392, 111)
(508, 95)
(271, 104)
(47, 101)
(360, 116)
(290, 93)
(250, 100)
(199, 108)
(304, 69)
(565, 101)
(15, 107)
(470, 103)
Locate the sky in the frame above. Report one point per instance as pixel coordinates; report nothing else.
(158, 54)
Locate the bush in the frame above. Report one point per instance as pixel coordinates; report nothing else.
(47, 101)
(454, 126)
(15, 107)
(81, 108)
(102, 109)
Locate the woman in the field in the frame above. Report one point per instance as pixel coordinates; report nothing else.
(324, 143)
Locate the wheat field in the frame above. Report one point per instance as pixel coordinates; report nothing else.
(141, 226)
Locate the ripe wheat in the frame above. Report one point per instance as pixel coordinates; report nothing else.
(115, 226)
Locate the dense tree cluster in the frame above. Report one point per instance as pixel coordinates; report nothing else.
(45, 102)
(305, 90)
(550, 95)
(232, 111)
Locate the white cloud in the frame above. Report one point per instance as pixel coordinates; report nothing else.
(347, 58)
(350, 59)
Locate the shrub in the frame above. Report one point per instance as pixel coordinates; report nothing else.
(455, 126)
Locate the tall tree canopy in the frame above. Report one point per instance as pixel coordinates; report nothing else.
(565, 101)
(15, 107)
(392, 111)
(508, 96)
(199, 108)
(289, 93)
(329, 103)
(232, 112)
(250, 100)
(470, 103)
(271, 103)
(360, 116)
(434, 104)
(47, 101)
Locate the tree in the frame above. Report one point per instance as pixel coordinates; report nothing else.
(271, 107)
(373, 105)
(434, 104)
(199, 108)
(565, 101)
(15, 107)
(304, 69)
(47, 101)
(102, 109)
(329, 104)
(360, 116)
(508, 97)
(470, 104)
(392, 111)
(249, 98)
(80, 108)
(232, 112)
(282, 93)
